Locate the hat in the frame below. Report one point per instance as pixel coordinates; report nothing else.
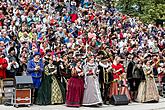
(102, 52)
(36, 53)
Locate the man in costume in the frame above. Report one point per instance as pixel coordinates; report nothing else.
(104, 76)
(133, 77)
(35, 69)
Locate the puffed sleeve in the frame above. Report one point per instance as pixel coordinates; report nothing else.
(30, 68)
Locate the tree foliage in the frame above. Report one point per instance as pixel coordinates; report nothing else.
(147, 10)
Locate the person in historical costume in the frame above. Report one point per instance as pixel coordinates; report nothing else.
(117, 71)
(47, 57)
(3, 66)
(105, 77)
(63, 69)
(134, 77)
(92, 94)
(124, 87)
(35, 68)
(51, 91)
(148, 91)
(58, 90)
(75, 89)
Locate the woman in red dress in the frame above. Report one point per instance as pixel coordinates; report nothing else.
(118, 69)
(75, 90)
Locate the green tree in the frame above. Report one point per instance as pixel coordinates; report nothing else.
(147, 10)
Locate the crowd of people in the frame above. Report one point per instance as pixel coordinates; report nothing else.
(79, 53)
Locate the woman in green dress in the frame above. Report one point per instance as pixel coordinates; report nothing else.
(51, 90)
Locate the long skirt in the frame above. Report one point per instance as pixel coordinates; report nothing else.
(58, 92)
(75, 92)
(148, 91)
(44, 92)
(113, 89)
(92, 94)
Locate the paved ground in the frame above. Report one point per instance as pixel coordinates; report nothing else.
(132, 106)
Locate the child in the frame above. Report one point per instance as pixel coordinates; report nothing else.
(124, 87)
